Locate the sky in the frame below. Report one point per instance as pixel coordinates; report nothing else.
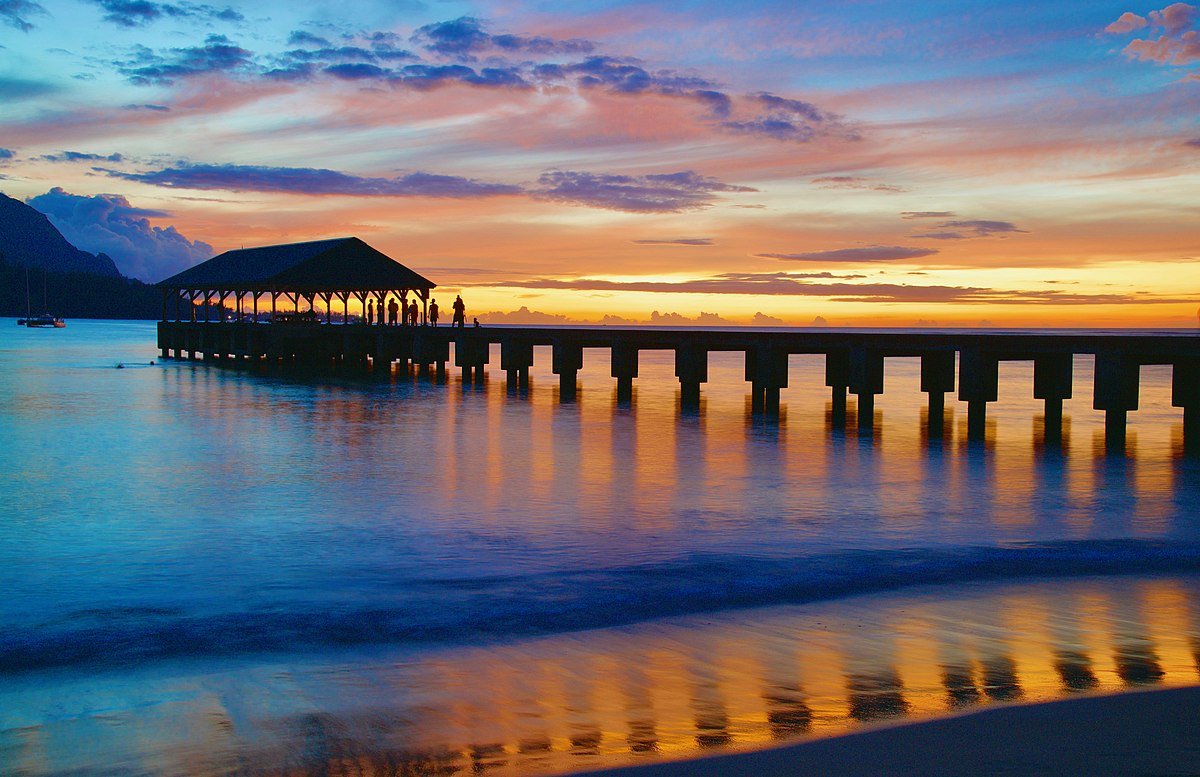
(848, 164)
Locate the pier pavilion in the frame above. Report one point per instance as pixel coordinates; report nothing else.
(340, 269)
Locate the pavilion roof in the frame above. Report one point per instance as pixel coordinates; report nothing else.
(341, 264)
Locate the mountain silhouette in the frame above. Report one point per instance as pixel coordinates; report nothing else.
(28, 239)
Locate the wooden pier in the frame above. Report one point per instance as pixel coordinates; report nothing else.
(854, 361)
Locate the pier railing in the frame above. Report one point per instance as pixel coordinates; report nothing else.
(966, 361)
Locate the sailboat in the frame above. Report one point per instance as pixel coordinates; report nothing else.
(44, 320)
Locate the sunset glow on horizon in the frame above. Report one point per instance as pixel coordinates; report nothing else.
(867, 164)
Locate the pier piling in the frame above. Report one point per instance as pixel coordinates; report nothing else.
(978, 384)
(566, 362)
(937, 379)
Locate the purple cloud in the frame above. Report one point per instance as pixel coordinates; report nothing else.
(307, 180)
(217, 55)
(464, 37)
(108, 223)
(773, 285)
(304, 38)
(663, 193)
(867, 254)
(679, 241)
(854, 182)
(79, 156)
(790, 120)
(1194, 142)
(145, 107)
(976, 228)
(136, 13)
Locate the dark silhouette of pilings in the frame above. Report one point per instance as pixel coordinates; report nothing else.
(854, 362)
(937, 378)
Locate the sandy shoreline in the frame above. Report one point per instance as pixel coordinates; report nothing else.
(1139, 733)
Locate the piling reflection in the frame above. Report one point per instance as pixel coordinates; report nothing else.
(663, 690)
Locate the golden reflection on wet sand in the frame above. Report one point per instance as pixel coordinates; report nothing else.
(663, 690)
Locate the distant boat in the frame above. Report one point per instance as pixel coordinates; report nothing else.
(44, 320)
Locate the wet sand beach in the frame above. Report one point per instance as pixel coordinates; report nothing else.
(1143, 733)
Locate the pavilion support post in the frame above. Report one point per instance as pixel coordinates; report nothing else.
(1116, 393)
(274, 296)
(566, 362)
(866, 380)
(837, 377)
(624, 369)
(1052, 383)
(978, 384)
(937, 379)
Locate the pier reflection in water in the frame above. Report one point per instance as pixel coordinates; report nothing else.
(627, 695)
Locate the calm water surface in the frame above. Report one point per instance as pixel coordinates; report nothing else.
(213, 571)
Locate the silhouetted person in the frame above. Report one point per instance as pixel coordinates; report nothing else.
(412, 313)
(433, 312)
(476, 321)
(370, 312)
(460, 312)
(393, 311)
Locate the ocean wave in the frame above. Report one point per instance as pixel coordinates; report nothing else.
(482, 609)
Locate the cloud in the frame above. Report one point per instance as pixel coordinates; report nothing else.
(14, 13)
(7, 153)
(677, 319)
(137, 13)
(1177, 44)
(855, 182)
(866, 254)
(761, 319)
(679, 241)
(1127, 23)
(975, 228)
(107, 223)
(464, 37)
(315, 181)
(217, 55)
(662, 193)
(145, 107)
(790, 120)
(927, 214)
(523, 316)
(302, 38)
(1194, 142)
(80, 156)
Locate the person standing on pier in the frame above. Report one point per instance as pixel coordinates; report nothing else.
(433, 312)
(460, 312)
(393, 311)
(370, 312)
(412, 313)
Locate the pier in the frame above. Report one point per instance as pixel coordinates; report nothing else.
(966, 362)
(341, 269)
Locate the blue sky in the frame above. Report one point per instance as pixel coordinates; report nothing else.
(1018, 162)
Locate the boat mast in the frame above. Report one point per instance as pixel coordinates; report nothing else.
(28, 312)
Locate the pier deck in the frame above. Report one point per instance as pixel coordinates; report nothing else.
(966, 361)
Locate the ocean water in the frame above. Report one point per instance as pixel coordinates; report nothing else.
(211, 571)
